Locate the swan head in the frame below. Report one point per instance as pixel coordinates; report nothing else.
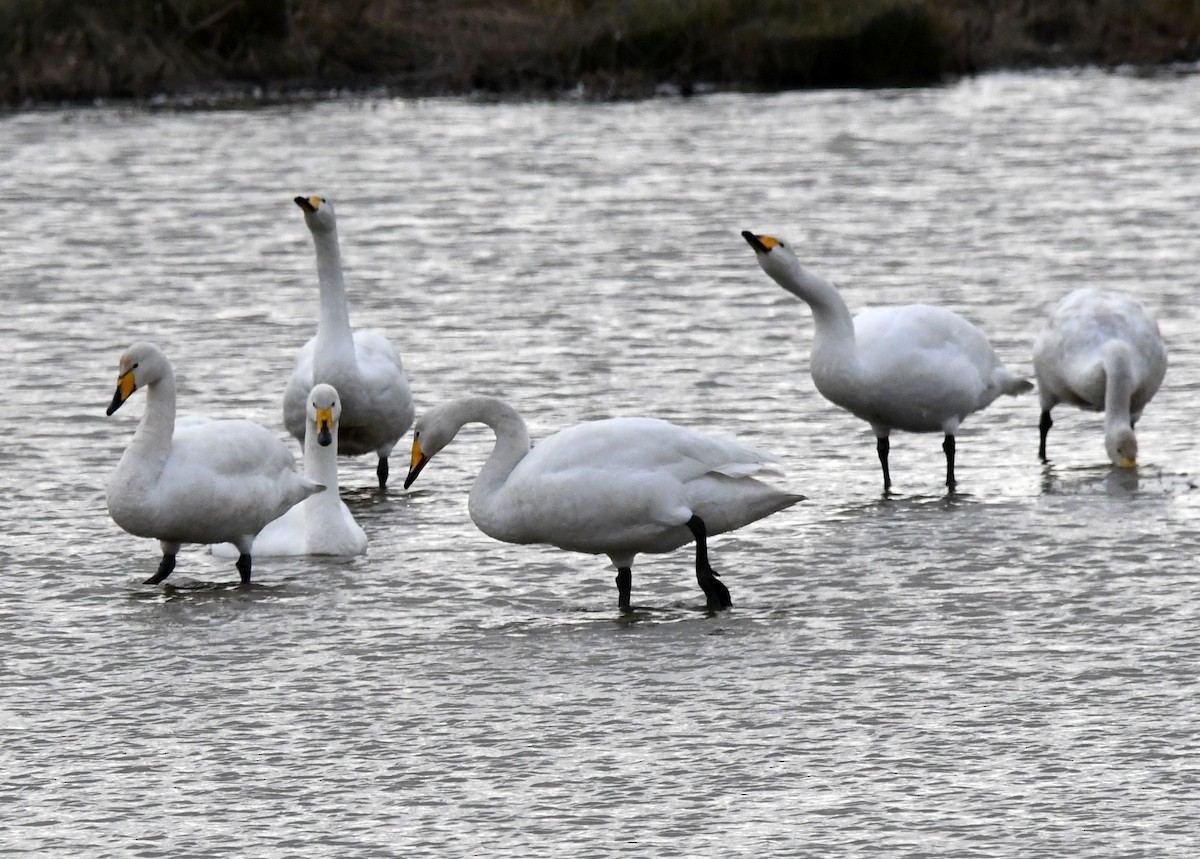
(318, 214)
(773, 254)
(434, 430)
(141, 364)
(324, 412)
(1122, 447)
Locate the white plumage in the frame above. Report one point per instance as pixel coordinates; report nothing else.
(1100, 351)
(377, 406)
(915, 367)
(616, 487)
(196, 480)
(322, 524)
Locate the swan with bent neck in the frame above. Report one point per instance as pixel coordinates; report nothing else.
(1102, 352)
(364, 367)
(615, 487)
(915, 368)
(322, 524)
(195, 480)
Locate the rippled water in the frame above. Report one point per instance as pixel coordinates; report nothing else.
(1011, 671)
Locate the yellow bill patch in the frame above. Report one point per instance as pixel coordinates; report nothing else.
(126, 385)
(315, 202)
(768, 242)
(417, 455)
(325, 417)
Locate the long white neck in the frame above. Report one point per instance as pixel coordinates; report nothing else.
(320, 463)
(335, 338)
(512, 444)
(151, 443)
(834, 346)
(1118, 384)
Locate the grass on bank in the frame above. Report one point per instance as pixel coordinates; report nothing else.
(80, 49)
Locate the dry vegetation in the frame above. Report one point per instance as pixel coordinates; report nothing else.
(54, 50)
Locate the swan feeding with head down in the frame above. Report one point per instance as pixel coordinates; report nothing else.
(322, 524)
(915, 368)
(377, 406)
(1100, 351)
(615, 487)
(196, 480)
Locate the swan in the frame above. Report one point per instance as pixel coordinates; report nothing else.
(195, 480)
(914, 367)
(1100, 351)
(322, 524)
(613, 487)
(377, 406)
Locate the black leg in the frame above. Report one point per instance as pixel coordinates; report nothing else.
(882, 446)
(713, 587)
(382, 471)
(243, 567)
(624, 586)
(165, 566)
(1044, 428)
(948, 447)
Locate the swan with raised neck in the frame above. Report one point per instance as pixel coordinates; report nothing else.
(915, 368)
(363, 366)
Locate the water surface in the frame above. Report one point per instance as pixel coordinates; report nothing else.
(1007, 672)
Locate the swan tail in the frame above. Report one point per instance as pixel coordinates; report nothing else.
(1010, 383)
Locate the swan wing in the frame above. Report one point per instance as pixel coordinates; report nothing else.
(223, 479)
(629, 484)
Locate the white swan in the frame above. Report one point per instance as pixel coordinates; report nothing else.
(377, 406)
(914, 367)
(195, 480)
(1100, 351)
(615, 487)
(322, 524)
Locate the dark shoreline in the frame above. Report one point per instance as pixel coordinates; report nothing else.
(204, 51)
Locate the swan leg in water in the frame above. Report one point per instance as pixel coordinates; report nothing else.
(624, 586)
(882, 446)
(166, 565)
(381, 472)
(948, 447)
(706, 576)
(1044, 428)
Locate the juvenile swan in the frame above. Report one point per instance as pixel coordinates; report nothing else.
(914, 367)
(1100, 351)
(196, 480)
(322, 524)
(613, 487)
(377, 406)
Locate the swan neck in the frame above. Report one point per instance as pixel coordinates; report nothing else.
(1118, 384)
(512, 445)
(152, 440)
(333, 328)
(833, 323)
(320, 464)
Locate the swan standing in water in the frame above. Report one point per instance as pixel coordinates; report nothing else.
(322, 524)
(377, 406)
(613, 487)
(1100, 351)
(195, 480)
(915, 367)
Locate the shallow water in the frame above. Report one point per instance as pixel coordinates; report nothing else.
(1008, 672)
